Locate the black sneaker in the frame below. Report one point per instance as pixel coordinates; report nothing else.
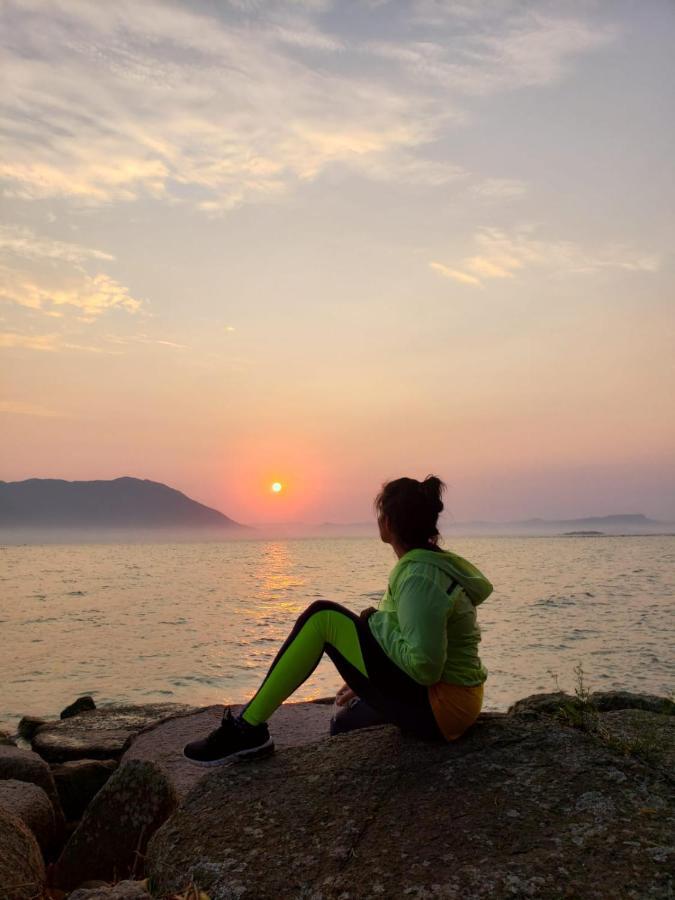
(234, 739)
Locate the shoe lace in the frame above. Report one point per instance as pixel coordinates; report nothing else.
(228, 724)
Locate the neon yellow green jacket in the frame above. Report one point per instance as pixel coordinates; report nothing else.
(430, 634)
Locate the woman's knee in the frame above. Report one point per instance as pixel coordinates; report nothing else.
(319, 606)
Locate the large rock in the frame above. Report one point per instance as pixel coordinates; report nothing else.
(110, 841)
(292, 725)
(32, 806)
(78, 781)
(22, 870)
(516, 808)
(100, 733)
(24, 765)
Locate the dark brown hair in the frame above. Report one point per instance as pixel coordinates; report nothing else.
(413, 508)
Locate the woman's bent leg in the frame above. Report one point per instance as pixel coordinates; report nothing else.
(347, 640)
(321, 625)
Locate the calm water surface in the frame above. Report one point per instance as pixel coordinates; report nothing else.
(200, 623)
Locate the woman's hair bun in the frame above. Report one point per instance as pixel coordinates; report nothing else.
(413, 508)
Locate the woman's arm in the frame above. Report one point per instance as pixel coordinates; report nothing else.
(415, 635)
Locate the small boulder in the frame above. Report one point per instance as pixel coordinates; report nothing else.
(123, 890)
(100, 733)
(6, 740)
(78, 781)
(110, 841)
(540, 704)
(24, 765)
(29, 725)
(22, 869)
(82, 704)
(30, 804)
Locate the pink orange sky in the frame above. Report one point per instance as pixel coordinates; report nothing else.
(244, 243)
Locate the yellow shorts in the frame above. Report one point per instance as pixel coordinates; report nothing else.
(455, 707)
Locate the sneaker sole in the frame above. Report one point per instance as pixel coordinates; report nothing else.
(254, 753)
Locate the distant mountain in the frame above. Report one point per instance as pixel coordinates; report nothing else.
(119, 503)
(634, 523)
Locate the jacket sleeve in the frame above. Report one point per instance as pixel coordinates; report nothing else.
(419, 644)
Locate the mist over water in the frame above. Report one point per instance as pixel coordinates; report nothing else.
(200, 622)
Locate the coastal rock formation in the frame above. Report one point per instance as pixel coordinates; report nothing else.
(22, 870)
(32, 806)
(100, 733)
(110, 841)
(78, 781)
(292, 725)
(519, 807)
(24, 765)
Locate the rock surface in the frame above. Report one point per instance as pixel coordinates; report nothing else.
(6, 740)
(110, 841)
(518, 807)
(292, 725)
(22, 870)
(123, 890)
(636, 732)
(100, 733)
(78, 781)
(32, 806)
(24, 765)
(82, 704)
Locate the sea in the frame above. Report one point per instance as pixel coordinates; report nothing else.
(199, 623)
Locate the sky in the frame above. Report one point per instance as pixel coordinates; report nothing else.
(327, 243)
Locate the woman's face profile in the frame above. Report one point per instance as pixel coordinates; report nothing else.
(385, 530)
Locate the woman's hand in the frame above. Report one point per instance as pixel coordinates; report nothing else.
(344, 695)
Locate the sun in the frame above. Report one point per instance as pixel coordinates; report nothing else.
(277, 487)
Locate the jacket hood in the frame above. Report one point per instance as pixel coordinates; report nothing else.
(476, 586)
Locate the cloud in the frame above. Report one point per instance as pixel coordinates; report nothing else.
(455, 274)
(50, 343)
(43, 274)
(23, 242)
(504, 254)
(113, 101)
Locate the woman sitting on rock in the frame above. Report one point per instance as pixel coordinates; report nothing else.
(413, 662)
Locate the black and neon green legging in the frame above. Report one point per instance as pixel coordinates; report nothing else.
(326, 627)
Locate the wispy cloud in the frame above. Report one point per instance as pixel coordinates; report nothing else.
(49, 343)
(49, 275)
(112, 101)
(502, 254)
